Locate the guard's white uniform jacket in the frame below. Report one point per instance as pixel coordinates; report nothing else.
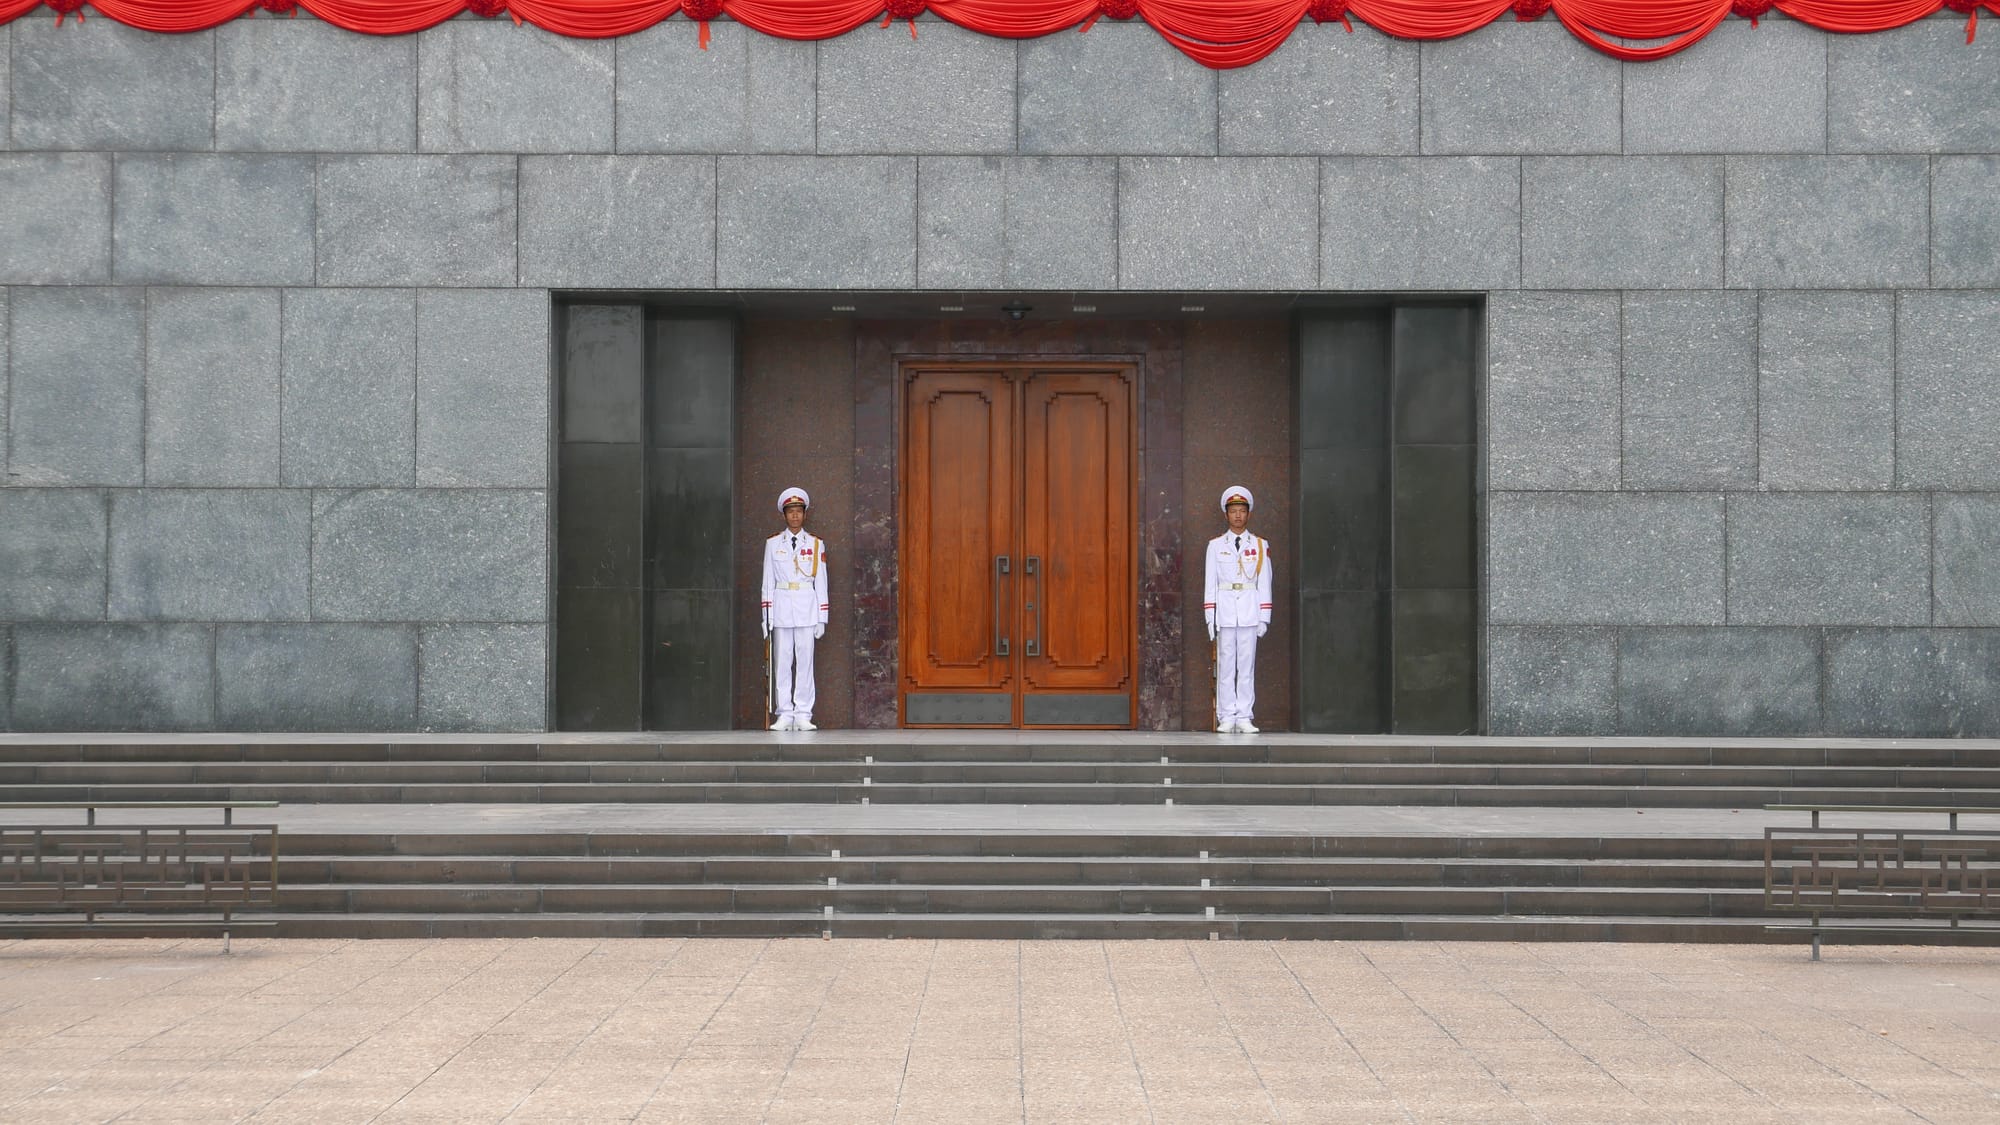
(796, 605)
(1236, 599)
(1236, 582)
(795, 580)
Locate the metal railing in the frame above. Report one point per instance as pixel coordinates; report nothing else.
(91, 877)
(1899, 878)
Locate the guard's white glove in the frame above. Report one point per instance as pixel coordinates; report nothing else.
(1261, 627)
(767, 629)
(1211, 630)
(819, 630)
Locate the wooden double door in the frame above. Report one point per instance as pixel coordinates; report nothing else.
(1019, 576)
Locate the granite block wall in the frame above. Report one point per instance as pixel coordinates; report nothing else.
(274, 327)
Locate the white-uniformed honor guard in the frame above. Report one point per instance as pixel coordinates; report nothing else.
(1236, 602)
(795, 607)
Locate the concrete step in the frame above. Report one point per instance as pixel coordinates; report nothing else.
(777, 898)
(1277, 748)
(1195, 927)
(1011, 871)
(1081, 793)
(962, 773)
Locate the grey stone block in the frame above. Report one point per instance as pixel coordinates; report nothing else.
(1551, 680)
(212, 399)
(668, 92)
(789, 222)
(77, 401)
(52, 554)
(1428, 222)
(488, 86)
(104, 85)
(416, 220)
(1518, 88)
(483, 387)
(113, 677)
(1826, 399)
(349, 387)
(1914, 683)
(483, 678)
(1947, 398)
(1621, 222)
(1227, 223)
(316, 677)
(1685, 102)
(869, 85)
(214, 220)
(1965, 233)
(605, 222)
(6, 632)
(306, 86)
(227, 554)
(1324, 93)
(1552, 390)
(1690, 401)
(1120, 90)
(430, 555)
(1578, 558)
(1038, 222)
(6, 379)
(1830, 222)
(56, 225)
(1829, 559)
(1965, 562)
(1917, 88)
(1743, 682)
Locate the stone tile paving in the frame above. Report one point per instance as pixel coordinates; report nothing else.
(920, 1031)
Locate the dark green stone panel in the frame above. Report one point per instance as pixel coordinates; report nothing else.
(600, 636)
(1433, 517)
(693, 365)
(1433, 349)
(1434, 689)
(603, 363)
(687, 675)
(689, 510)
(599, 505)
(1343, 395)
(1341, 675)
(1343, 513)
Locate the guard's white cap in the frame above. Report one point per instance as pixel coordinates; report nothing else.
(794, 496)
(1238, 492)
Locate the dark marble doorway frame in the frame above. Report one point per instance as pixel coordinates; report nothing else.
(1155, 347)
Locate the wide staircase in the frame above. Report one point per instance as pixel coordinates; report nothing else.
(911, 835)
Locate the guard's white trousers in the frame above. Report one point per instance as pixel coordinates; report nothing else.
(792, 667)
(1235, 673)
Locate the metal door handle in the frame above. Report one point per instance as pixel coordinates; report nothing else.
(1000, 566)
(1034, 568)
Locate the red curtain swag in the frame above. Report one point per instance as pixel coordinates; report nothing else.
(1216, 33)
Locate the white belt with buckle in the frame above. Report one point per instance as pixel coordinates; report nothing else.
(791, 585)
(1239, 585)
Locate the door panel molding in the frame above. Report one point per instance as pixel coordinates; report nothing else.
(1019, 533)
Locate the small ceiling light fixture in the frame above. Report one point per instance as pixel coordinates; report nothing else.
(1083, 308)
(843, 308)
(951, 308)
(1194, 308)
(1015, 310)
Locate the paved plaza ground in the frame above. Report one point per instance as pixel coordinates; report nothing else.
(867, 1031)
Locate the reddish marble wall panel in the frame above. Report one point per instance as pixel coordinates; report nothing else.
(802, 367)
(795, 426)
(1238, 389)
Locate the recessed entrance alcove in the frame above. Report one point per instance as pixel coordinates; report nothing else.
(1014, 489)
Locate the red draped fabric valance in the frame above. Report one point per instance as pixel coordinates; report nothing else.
(1216, 33)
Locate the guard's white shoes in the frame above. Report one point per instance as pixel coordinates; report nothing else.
(803, 724)
(783, 723)
(1244, 726)
(1225, 728)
